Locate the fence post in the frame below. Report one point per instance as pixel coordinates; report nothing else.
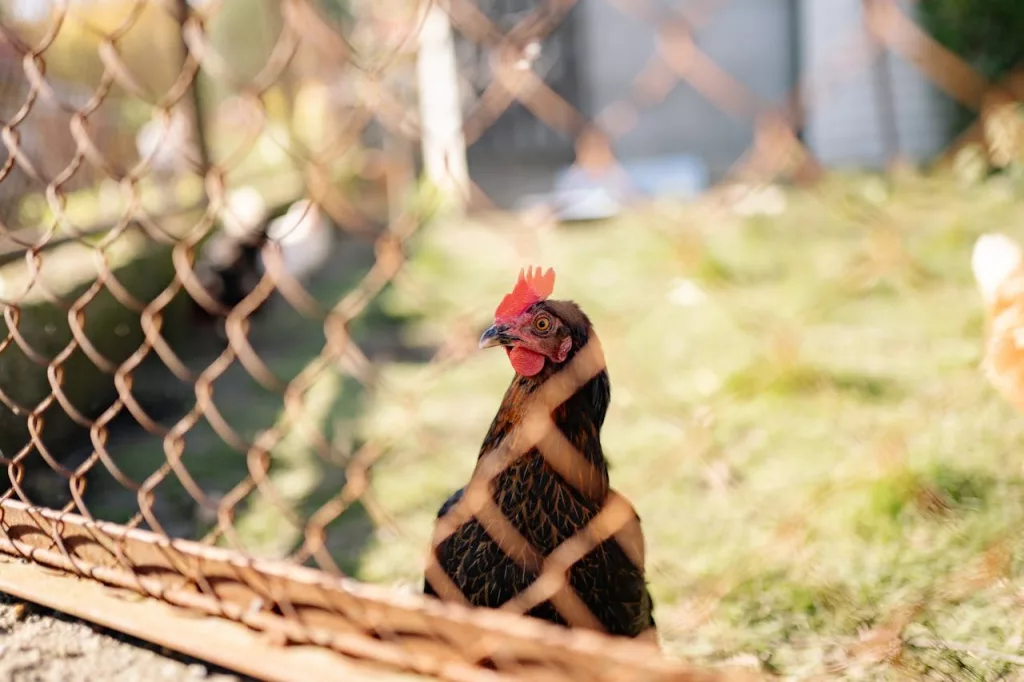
(198, 121)
(884, 92)
(442, 139)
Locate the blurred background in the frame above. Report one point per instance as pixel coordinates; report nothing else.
(766, 207)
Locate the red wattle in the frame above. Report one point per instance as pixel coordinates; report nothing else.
(526, 362)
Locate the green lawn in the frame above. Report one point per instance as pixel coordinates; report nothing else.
(797, 415)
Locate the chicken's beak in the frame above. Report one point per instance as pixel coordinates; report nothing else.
(496, 336)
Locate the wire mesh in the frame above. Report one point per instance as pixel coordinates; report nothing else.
(247, 264)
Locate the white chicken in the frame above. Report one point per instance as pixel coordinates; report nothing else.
(998, 266)
(305, 238)
(166, 148)
(244, 212)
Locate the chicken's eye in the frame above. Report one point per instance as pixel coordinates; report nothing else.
(542, 323)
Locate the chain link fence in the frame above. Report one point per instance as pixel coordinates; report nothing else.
(250, 247)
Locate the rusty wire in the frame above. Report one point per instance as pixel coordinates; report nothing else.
(301, 594)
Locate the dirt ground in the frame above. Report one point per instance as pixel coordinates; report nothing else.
(40, 645)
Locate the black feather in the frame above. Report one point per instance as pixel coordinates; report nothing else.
(229, 269)
(547, 511)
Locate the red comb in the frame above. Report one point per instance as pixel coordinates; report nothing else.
(531, 287)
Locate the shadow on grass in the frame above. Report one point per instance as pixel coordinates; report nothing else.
(269, 521)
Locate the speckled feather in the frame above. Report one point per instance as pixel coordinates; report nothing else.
(547, 510)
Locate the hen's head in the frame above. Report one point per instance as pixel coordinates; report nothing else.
(536, 332)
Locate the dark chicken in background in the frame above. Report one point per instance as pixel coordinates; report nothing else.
(228, 266)
(231, 263)
(541, 337)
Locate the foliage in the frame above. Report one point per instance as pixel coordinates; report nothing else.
(151, 48)
(985, 32)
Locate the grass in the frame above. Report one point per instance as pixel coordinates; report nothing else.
(213, 457)
(826, 482)
(39, 332)
(797, 415)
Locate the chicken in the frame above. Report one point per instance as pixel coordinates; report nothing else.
(541, 337)
(228, 267)
(164, 143)
(167, 146)
(998, 266)
(231, 263)
(304, 237)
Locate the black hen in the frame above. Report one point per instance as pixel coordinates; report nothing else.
(229, 265)
(541, 337)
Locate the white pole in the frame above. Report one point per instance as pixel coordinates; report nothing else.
(443, 144)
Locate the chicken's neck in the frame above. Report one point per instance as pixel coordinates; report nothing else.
(579, 419)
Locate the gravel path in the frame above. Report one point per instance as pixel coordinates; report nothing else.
(40, 645)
